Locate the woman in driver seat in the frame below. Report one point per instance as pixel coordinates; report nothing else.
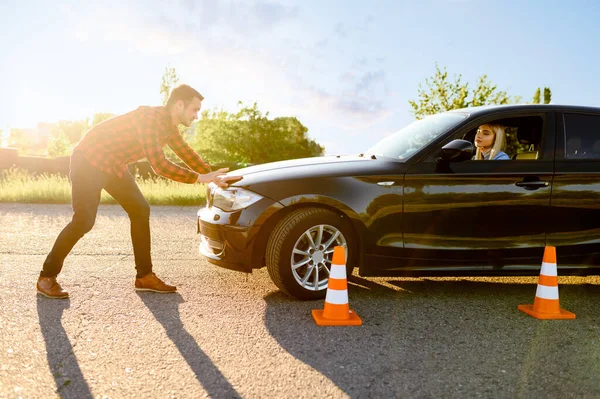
(489, 140)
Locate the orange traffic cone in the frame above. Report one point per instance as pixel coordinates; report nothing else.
(337, 310)
(545, 305)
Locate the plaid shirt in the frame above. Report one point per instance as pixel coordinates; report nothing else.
(116, 142)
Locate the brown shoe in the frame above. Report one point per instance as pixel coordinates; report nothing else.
(48, 286)
(152, 283)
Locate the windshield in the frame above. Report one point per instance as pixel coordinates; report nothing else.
(405, 142)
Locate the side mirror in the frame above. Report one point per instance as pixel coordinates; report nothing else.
(457, 151)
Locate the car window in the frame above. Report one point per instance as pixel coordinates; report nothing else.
(523, 136)
(582, 136)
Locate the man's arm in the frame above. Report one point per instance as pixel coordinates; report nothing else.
(187, 154)
(148, 138)
(193, 160)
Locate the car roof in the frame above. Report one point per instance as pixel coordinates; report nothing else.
(485, 109)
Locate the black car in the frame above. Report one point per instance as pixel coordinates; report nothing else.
(417, 204)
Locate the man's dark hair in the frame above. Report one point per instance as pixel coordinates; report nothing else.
(185, 93)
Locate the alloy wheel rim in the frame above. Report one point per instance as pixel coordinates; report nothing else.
(312, 253)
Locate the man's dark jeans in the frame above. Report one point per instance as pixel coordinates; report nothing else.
(87, 183)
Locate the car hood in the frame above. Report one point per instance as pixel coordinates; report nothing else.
(348, 165)
(295, 163)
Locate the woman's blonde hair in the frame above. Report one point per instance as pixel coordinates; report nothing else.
(499, 140)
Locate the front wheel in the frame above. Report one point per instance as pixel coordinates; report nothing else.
(300, 250)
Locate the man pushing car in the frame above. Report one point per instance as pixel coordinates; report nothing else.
(99, 161)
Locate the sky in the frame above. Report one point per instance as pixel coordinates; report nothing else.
(345, 69)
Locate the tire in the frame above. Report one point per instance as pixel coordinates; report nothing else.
(292, 233)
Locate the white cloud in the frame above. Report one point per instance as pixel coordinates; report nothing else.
(174, 27)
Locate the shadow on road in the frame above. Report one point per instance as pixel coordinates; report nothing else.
(446, 339)
(165, 308)
(70, 382)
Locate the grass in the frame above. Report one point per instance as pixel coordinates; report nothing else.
(21, 187)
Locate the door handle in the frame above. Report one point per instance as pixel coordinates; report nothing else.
(385, 183)
(532, 185)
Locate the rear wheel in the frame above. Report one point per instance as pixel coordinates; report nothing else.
(300, 249)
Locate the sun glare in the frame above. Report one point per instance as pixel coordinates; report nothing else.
(42, 108)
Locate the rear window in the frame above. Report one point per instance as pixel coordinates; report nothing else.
(582, 136)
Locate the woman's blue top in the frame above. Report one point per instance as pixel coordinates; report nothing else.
(500, 156)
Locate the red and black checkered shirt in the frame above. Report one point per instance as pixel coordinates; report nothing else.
(113, 144)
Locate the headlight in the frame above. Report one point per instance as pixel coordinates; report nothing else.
(232, 198)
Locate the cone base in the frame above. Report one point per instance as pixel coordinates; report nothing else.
(563, 315)
(353, 320)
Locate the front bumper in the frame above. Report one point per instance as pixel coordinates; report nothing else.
(227, 238)
(224, 245)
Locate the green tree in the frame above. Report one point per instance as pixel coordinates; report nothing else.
(250, 137)
(59, 145)
(443, 94)
(547, 95)
(100, 117)
(169, 80)
(72, 130)
(537, 96)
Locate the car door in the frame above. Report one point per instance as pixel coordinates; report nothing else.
(482, 214)
(575, 214)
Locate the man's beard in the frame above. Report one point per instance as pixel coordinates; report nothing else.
(185, 122)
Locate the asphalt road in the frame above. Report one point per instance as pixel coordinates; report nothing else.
(226, 334)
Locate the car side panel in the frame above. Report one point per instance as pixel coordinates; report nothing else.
(485, 213)
(477, 212)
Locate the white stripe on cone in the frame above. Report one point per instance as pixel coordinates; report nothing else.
(545, 292)
(548, 269)
(337, 271)
(336, 297)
